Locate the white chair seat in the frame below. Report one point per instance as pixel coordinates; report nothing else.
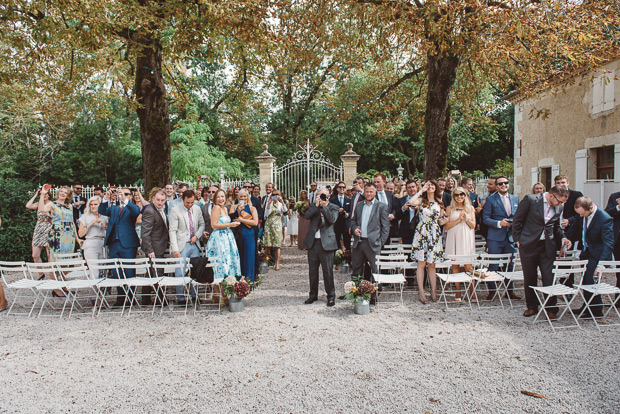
(51, 285)
(24, 284)
(383, 279)
(516, 276)
(599, 289)
(555, 290)
(489, 277)
(461, 277)
(174, 281)
(76, 274)
(142, 281)
(81, 284)
(109, 282)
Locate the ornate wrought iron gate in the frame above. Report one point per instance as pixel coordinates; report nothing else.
(306, 166)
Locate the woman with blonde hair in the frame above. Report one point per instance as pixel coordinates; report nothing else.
(62, 233)
(246, 214)
(92, 227)
(460, 230)
(538, 188)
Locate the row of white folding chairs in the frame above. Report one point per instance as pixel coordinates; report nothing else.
(74, 276)
(565, 295)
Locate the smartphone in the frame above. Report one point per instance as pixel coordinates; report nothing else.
(203, 176)
(47, 187)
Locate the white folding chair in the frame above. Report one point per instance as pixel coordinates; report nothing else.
(447, 279)
(605, 290)
(17, 279)
(143, 278)
(98, 267)
(168, 265)
(58, 257)
(47, 286)
(390, 271)
(81, 282)
(482, 276)
(559, 290)
(209, 288)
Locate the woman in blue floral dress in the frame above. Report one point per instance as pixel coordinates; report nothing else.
(221, 244)
(427, 246)
(62, 233)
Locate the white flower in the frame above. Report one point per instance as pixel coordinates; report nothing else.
(348, 287)
(230, 280)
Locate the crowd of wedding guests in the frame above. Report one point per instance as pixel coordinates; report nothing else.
(438, 217)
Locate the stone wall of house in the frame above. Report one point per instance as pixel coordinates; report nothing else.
(581, 116)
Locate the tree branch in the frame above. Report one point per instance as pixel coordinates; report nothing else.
(404, 78)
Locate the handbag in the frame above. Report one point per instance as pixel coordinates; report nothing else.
(247, 216)
(413, 224)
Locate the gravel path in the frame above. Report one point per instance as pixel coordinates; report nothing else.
(282, 356)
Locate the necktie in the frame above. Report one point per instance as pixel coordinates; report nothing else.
(120, 210)
(191, 223)
(341, 201)
(507, 204)
(583, 236)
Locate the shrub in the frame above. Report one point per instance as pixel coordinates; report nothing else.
(17, 221)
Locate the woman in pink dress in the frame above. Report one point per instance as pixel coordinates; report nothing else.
(460, 230)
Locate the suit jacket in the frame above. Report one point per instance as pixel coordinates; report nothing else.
(612, 210)
(342, 223)
(391, 201)
(78, 210)
(599, 234)
(122, 225)
(257, 204)
(206, 216)
(569, 205)
(328, 236)
(404, 217)
(494, 211)
(178, 228)
(529, 224)
(154, 232)
(378, 225)
(446, 198)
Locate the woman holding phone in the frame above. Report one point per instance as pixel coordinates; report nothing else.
(247, 215)
(272, 236)
(43, 226)
(62, 233)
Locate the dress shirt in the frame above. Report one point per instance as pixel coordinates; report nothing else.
(506, 199)
(548, 211)
(382, 197)
(163, 215)
(366, 211)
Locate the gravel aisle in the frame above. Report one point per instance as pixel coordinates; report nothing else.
(280, 355)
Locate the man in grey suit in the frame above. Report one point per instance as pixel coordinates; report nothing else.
(321, 244)
(207, 195)
(154, 233)
(370, 227)
(537, 233)
(186, 226)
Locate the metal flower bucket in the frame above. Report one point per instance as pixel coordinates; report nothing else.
(345, 269)
(361, 307)
(263, 268)
(235, 304)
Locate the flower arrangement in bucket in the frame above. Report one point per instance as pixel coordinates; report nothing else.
(237, 288)
(338, 257)
(359, 291)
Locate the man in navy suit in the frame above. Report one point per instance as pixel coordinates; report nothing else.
(594, 230)
(405, 213)
(497, 213)
(573, 195)
(121, 237)
(341, 226)
(613, 209)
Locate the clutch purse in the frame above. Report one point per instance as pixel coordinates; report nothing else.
(247, 216)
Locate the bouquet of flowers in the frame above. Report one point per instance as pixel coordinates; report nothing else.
(359, 289)
(338, 257)
(300, 207)
(238, 286)
(264, 257)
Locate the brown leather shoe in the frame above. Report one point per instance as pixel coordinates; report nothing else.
(512, 295)
(552, 315)
(530, 312)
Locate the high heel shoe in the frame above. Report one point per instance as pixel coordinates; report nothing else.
(56, 295)
(423, 300)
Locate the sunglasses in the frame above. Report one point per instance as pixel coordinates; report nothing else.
(341, 186)
(459, 195)
(503, 183)
(78, 188)
(247, 186)
(127, 194)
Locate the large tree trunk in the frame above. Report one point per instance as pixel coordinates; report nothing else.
(153, 114)
(441, 72)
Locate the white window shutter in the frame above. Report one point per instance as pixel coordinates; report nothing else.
(555, 170)
(608, 91)
(597, 94)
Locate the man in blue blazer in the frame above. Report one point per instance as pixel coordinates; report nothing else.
(497, 213)
(341, 226)
(121, 237)
(594, 230)
(613, 209)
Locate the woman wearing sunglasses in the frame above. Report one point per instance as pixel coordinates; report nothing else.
(460, 230)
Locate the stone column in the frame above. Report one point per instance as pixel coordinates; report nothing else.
(265, 167)
(349, 164)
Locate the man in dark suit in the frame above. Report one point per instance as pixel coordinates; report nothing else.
(121, 237)
(613, 209)
(341, 227)
(371, 229)
(321, 244)
(268, 191)
(594, 230)
(497, 214)
(207, 195)
(154, 233)
(386, 197)
(79, 202)
(358, 196)
(446, 195)
(255, 201)
(537, 232)
(569, 206)
(405, 213)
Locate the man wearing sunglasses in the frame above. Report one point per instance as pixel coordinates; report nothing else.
(341, 226)
(497, 213)
(207, 196)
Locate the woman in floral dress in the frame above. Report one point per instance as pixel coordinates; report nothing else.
(272, 235)
(62, 233)
(427, 248)
(42, 228)
(221, 244)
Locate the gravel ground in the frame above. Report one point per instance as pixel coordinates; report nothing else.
(280, 355)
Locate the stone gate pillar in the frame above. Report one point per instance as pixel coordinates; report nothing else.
(265, 167)
(349, 164)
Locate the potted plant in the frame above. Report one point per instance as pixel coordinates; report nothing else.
(359, 291)
(237, 288)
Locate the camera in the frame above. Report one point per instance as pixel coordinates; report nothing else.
(323, 197)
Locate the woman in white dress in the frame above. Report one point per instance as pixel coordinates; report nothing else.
(293, 223)
(92, 227)
(460, 229)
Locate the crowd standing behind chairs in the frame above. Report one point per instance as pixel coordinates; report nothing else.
(436, 219)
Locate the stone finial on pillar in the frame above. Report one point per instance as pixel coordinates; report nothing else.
(349, 164)
(265, 167)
